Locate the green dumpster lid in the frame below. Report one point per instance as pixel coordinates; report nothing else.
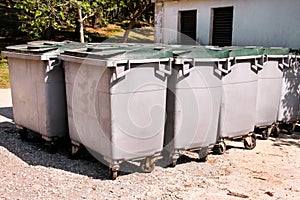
(246, 51)
(202, 53)
(276, 51)
(154, 53)
(120, 53)
(38, 47)
(32, 48)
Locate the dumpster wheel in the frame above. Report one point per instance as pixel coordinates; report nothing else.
(51, 147)
(265, 133)
(203, 154)
(291, 127)
(173, 159)
(274, 131)
(219, 148)
(23, 132)
(114, 171)
(148, 164)
(250, 141)
(75, 152)
(173, 162)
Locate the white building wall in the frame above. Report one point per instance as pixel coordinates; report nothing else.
(255, 22)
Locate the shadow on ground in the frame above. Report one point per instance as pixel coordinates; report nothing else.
(34, 152)
(285, 139)
(7, 112)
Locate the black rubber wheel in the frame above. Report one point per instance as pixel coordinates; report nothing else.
(203, 154)
(219, 148)
(52, 148)
(265, 134)
(290, 128)
(75, 152)
(113, 174)
(148, 165)
(253, 143)
(204, 159)
(173, 163)
(274, 131)
(23, 134)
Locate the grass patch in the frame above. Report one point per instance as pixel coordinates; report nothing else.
(114, 33)
(4, 74)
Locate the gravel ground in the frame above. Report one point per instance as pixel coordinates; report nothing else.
(270, 171)
(28, 171)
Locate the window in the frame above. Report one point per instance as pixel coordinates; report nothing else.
(222, 26)
(187, 27)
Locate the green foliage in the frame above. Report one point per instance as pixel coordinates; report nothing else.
(4, 75)
(38, 16)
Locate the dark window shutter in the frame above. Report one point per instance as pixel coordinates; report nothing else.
(188, 27)
(222, 26)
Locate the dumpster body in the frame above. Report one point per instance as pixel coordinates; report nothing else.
(289, 112)
(238, 105)
(193, 102)
(270, 79)
(38, 90)
(116, 104)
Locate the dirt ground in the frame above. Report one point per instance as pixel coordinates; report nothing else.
(28, 171)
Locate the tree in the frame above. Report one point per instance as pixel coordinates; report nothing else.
(132, 11)
(85, 10)
(41, 15)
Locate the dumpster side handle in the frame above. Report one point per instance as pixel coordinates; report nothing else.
(51, 64)
(187, 68)
(167, 70)
(257, 64)
(285, 64)
(221, 66)
(126, 69)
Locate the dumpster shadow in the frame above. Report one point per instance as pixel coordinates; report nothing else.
(228, 147)
(186, 157)
(34, 152)
(7, 112)
(287, 140)
(6, 125)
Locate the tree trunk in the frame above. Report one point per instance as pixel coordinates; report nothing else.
(81, 27)
(129, 27)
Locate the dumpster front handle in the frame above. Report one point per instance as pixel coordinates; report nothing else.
(295, 61)
(187, 68)
(126, 69)
(51, 64)
(258, 62)
(167, 70)
(227, 63)
(285, 64)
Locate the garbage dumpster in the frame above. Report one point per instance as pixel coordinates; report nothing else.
(116, 103)
(193, 101)
(38, 89)
(238, 105)
(269, 88)
(288, 113)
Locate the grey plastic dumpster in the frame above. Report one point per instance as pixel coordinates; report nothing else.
(38, 89)
(270, 79)
(193, 101)
(238, 105)
(116, 103)
(289, 112)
